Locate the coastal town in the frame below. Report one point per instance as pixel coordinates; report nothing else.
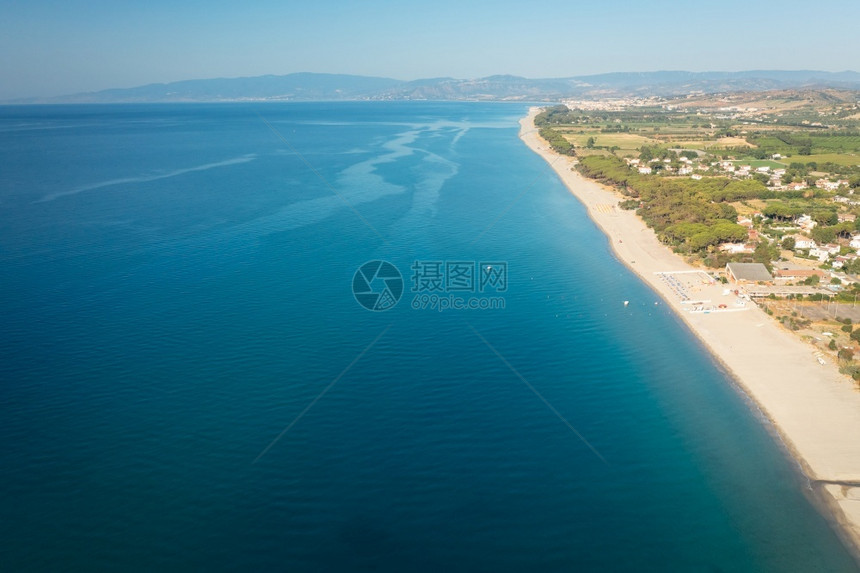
(801, 256)
(760, 191)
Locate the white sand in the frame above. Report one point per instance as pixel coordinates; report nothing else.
(815, 408)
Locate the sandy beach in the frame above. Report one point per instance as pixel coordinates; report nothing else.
(814, 407)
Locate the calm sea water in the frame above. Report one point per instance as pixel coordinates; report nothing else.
(188, 383)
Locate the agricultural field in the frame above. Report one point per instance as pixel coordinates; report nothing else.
(721, 143)
(848, 160)
(804, 143)
(808, 127)
(626, 143)
(748, 207)
(756, 163)
(837, 143)
(585, 152)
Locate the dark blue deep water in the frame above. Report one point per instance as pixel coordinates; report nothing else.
(176, 293)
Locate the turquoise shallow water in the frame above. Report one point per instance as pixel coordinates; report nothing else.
(177, 291)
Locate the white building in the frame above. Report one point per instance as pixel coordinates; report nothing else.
(824, 252)
(805, 222)
(803, 243)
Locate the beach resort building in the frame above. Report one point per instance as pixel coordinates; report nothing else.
(793, 275)
(748, 273)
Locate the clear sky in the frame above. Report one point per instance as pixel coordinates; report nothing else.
(67, 46)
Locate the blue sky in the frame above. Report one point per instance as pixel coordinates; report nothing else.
(60, 47)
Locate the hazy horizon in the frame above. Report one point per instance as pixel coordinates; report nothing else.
(81, 46)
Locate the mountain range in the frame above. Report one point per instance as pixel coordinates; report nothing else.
(333, 87)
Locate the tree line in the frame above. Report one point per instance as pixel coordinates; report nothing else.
(687, 214)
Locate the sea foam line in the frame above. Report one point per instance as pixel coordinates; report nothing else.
(145, 179)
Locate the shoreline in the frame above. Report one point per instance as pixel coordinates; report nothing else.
(814, 409)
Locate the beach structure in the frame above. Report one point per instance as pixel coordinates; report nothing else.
(747, 273)
(785, 275)
(737, 248)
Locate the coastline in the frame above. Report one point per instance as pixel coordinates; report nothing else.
(814, 408)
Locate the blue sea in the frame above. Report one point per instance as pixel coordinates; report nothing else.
(190, 380)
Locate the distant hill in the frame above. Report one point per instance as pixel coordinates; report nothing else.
(299, 87)
(330, 87)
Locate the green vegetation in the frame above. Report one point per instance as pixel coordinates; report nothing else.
(557, 141)
(691, 197)
(556, 115)
(761, 163)
(806, 142)
(683, 212)
(828, 234)
(553, 116)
